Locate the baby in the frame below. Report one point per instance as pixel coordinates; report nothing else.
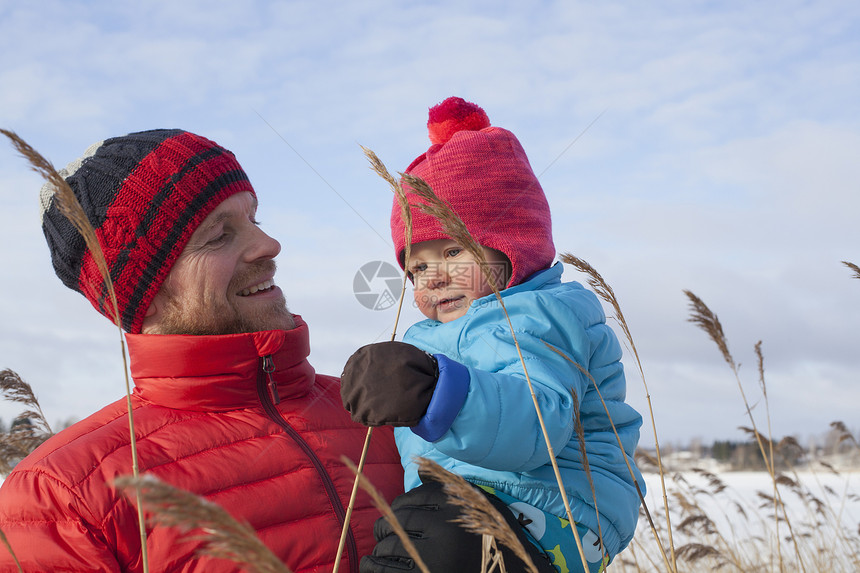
(456, 386)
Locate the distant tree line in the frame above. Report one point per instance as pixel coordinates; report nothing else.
(746, 454)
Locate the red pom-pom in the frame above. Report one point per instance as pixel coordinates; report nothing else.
(453, 115)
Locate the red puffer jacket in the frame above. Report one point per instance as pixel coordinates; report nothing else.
(239, 419)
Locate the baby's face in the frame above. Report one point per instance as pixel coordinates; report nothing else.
(448, 278)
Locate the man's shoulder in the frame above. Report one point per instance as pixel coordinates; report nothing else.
(72, 453)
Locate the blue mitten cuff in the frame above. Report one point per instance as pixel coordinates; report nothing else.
(448, 397)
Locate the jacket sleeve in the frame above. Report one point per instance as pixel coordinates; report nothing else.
(45, 529)
(497, 426)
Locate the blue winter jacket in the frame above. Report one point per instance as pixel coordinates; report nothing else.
(481, 422)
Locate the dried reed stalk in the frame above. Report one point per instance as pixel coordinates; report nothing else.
(698, 519)
(14, 447)
(70, 208)
(854, 268)
(21, 438)
(478, 514)
(696, 551)
(823, 550)
(580, 438)
(29, 429)
(352, 497)
(406, 213)
(605, 292)
(14, 389)
(849, 547)
(626, 461)
(200, 519)
(763, 387)
(631, 557)
(491, 557)
(388, 514)
(704, 318)
(454, 227)
(844, 432)
(9, 548)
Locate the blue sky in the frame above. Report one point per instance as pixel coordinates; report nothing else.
(695, 145)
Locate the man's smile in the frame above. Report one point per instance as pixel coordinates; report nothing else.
(265, 285)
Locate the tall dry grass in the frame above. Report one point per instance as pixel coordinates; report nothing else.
(388, 514)
(478, 514)
(605, 292)
(707, 320)
(406, 214)
(29, 428)
(223, 536)
(724, 527)
(722, 530)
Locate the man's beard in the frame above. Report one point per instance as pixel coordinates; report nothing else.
(180, 317)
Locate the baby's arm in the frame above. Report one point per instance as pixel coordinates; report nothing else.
(496, 425)
(476, 406)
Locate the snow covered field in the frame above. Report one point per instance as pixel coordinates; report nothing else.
(732, 512)
(839, 492)
(738, 508)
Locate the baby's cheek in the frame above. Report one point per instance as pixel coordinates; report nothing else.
(423, 301)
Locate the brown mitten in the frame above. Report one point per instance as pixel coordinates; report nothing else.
(388, 383)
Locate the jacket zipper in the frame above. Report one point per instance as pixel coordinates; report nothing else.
(268, 368)
(268, 393)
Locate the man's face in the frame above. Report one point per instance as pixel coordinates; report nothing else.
(223, 282)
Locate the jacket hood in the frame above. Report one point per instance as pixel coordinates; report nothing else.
(219, 372)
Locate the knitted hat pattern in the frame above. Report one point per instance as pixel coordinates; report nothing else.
(482, 172)
(144, 194)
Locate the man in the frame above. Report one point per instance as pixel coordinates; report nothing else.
(225, 403)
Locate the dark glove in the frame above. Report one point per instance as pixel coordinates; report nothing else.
(445, 547)
(388, 383)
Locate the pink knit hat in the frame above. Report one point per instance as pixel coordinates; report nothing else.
(483, 173)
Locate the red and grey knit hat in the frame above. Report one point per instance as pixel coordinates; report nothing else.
(144, 193)
(483, 173)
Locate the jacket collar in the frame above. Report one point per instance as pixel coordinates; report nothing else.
(219, 372)
(536, 281)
